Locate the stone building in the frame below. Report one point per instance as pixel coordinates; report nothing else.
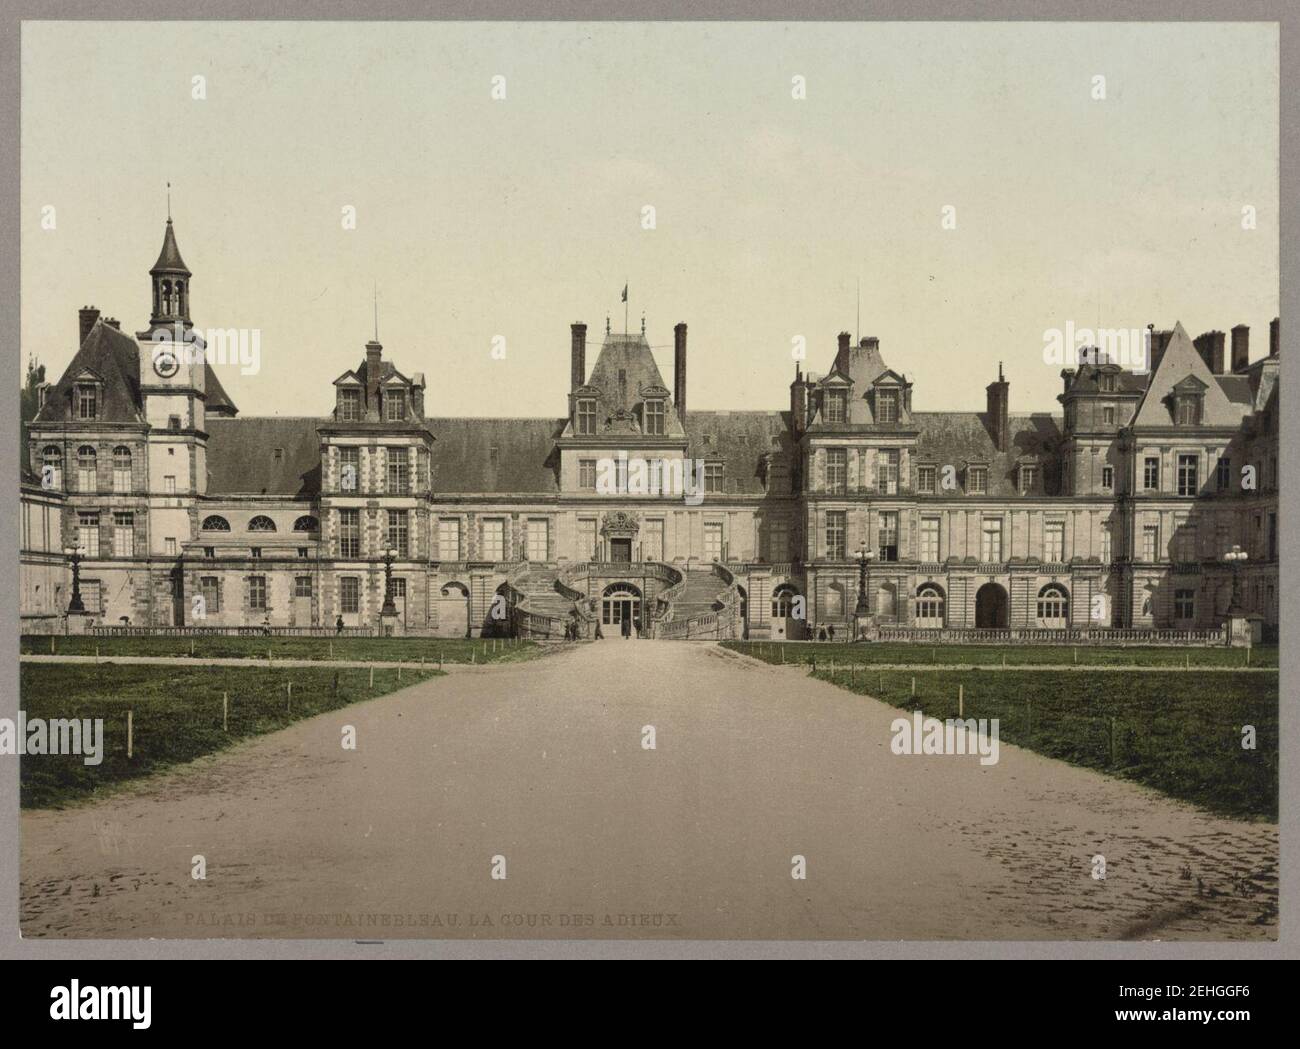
(1114, 513)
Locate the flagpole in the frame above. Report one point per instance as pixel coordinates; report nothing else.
(625, 287)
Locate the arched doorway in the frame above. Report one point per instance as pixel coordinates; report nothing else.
(787, 613)
(990, 607)
(619, 604)
(1053, 606)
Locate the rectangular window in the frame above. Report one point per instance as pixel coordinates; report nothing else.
(210, 591)
(713, 477)
(587, 539)
(86, 402)
(1223, 473)
(713, 542)
(92, 595)
(1108, 415)
(350, 469)
(169, 484)
(652, 541)
(586, 416)
(836, 405)
(394, 406)
(399, 472)
(888, 539)
(121, 473)
(977, 479)
(654, 417)
(349, 533)
(886, 406)
(494, 540)
(302, 586)
(349, 406)
(587, 474)
(257, 593)
(1028, 478)
(1150, 543)
(1054, 542)
(169, 545)
(399, 532)
(350, 594)
(1105, 544)
(1108, 477)
(1187, 475)
(1185, 540)
(887, 471)
(837, 470)
(255, 552)
(123, 535)
(930, 540)
(778, 541)
(88, 533)
(538, 539)
(656, 481)
(925, 480)
(209, 551)
(1184, 604)
(835, 535)
(448, 539)
(1188, 411)
(991, 544)
(1151, 474)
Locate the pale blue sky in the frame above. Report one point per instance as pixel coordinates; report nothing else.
(480, 218)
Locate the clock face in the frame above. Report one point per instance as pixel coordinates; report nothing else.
(165, 363)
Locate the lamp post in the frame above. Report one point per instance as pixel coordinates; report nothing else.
(1236, 558)
(389, 609)
(862, 612)
(75, 555)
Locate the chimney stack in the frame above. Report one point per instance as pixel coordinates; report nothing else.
(374, 351)
(1159, 343)
(870, 342)
(1240, 347)
(998, 397)
(1274, 337)
(86, 317)
(1209, 345)
(578, 355)
(113, 322)
(679, 371)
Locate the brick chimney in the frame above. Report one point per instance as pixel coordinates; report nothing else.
(998, 398)
(1240, 347)
(374, 351)
(577, 355)
(679, 370)
(86, 317)
(1274, 337)
(1209, 346)
(870, 342)
(1159, 343)
(113, 322)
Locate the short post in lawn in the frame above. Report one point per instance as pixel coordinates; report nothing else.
(1112, 742)
(399, 670)
(191, 648)
(331, 650)
(439, 659)
(961, 700)
(1076, 653)
(372, 675)
(130, 733)
(288, 702)
(51, 644)
(1029, 717)
(225, 712)
(914, 685)
(832, 671)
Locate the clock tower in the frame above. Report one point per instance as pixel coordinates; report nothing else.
(173, 383)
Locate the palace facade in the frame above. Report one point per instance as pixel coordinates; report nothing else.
(1114, 512)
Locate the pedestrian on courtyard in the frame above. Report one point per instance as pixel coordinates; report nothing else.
(338, 625)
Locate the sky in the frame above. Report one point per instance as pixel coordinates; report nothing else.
(479, 217)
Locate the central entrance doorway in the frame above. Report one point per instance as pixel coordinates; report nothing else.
(620, 551)
(990, 607)
(621, 604)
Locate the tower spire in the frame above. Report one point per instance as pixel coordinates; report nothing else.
(169, 202)
(376, 311)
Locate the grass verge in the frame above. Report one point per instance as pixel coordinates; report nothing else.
(360, 649)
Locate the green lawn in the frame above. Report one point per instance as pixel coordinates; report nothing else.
(391, 649)
(1180, 733)
(176, 714)
(992, 656)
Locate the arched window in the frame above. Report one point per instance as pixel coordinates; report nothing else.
(121, 468)
(52, 466)
(929, 605)
(216, 523)
(783, 600)
(1053, 605)
(86, 459)
(261, 523)
(306, 523)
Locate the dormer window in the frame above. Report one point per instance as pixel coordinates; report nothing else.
(654, 417)
(87, 402)
(836, 405)
(349, 406)
(394, 406)
(586, 419)
(1028, 478)
(1107, 383)
(1188, 410)
(886, 406)
(977, 480)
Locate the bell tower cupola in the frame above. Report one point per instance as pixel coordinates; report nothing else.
(171, 284)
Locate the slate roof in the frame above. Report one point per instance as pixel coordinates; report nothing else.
(241, 456)
(115, 357)
(1179, 361)
(218, 401)
(495, 455)
(741, 439)
(169, 259)
(955, 437)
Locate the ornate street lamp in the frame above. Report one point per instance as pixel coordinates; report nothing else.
(862, 613)
(75, 555)
(389, 609)
(1236, 558)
